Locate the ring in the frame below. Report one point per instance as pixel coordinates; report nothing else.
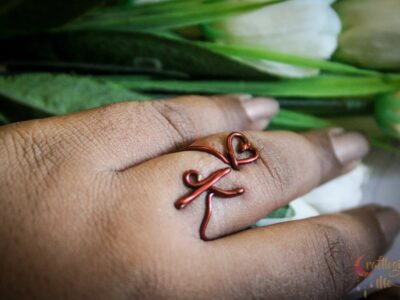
(193, 178)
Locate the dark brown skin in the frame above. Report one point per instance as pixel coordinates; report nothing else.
(87, 207)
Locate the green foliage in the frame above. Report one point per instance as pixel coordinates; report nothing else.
(323, 86)
(284, 212)
(386, 143)
(97, 38)
(41, 94)
(3, 119)
(22, 16)
(121, 52)
(261, 53)
(387, 114)
(164, 15)
(291, 120)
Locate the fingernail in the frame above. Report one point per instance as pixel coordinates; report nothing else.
(349, 146)
(389, 221)
(259, 108)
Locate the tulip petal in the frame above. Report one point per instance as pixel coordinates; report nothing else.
(303, 27)
(342, 193)
(372, 35)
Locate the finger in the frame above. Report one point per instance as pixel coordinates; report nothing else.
(124, 134)
(289, 166)
(308, 259)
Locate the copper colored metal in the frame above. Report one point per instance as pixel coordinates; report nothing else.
(192, 178)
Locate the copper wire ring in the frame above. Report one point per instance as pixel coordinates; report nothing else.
(192, 178)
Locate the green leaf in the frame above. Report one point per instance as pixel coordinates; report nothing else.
(283, 212)
(41, 94)
(121, 52)
(291, 120)
(165, 15)
(329, 107)
(144, 9)
(386, 143)
(3, 119)
(323, 86)
(387, 114)
(262, 53)
(295, 121)
(22, 16)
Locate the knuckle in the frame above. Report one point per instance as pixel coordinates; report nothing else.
(8, 160)
(274, 167)
(32, 154)
(19, 143)
(115, 118)
(37, 152)
(91, 131)
(226, 111)
(174, 117)
(334, 258)
(230, 111)
(285, 163)
(23, 163)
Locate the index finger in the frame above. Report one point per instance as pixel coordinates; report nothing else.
(125, 134)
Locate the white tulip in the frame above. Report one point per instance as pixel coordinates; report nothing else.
(372, 35)
(308, 28)
(342, 193)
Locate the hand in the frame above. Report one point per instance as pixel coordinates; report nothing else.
(87, 207)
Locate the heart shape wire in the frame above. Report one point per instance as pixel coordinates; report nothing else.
(231, 158)
(192, 178)
(243, 146)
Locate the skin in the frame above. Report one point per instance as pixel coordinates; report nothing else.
(86, 207)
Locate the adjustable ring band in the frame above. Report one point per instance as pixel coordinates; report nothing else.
(192, 178)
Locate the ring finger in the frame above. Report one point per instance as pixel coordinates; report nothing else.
(229, 198)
